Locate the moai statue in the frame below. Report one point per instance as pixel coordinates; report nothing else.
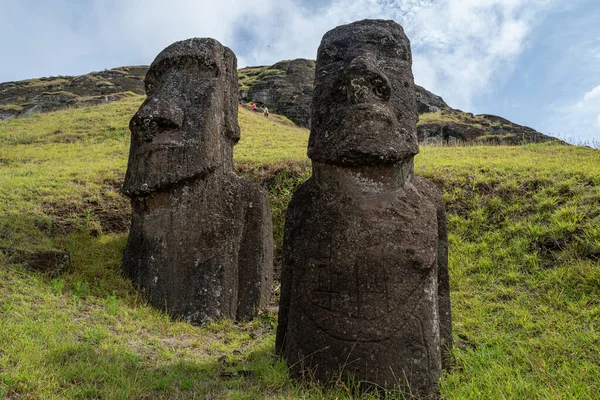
(201, 241)
(364, 287)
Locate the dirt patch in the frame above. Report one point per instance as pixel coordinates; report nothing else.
(110, 212)
(51, 263)
(113, 216)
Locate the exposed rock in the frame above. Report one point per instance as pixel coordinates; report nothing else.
(49, 94)
(513, 132)
(364, 289)
(428, 102)
(286, 88)
(8, 113)
(450, 133)
(48, 101)
(201, 240)
(450, 126)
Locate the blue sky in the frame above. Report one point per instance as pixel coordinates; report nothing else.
(535, 62)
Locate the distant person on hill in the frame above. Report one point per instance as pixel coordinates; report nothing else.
(239, 105)
(254, 107)
(266, 112)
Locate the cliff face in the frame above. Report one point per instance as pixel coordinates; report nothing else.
(285, 87)
(454, 126)
(428, 102)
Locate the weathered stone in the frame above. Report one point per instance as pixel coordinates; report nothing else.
(362, 89)
(364, 287)
(200, 245)
(49, 94)
(428, 102)
(448, 133)
(286, 87)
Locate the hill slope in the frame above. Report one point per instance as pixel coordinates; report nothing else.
(286, 87)
(32, 96)
(524, 230)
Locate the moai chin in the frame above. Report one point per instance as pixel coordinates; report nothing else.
(200, 244)
(364, 289)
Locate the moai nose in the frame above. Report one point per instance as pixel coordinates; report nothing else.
(365, 82)
(154, 116)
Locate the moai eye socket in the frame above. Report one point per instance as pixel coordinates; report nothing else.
(381, 88)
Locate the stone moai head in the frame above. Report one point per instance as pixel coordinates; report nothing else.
(188, 125)
(364, 108)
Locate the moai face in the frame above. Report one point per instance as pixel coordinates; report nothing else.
(180, 132)
(364, 109)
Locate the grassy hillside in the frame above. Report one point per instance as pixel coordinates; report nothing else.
(524, 262)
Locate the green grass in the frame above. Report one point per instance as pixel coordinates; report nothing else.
(60, 92)
(453, 116)
(269, 140)
(11, 107)
(45, 82)
(524, 231)
(524, 227)
(247, 77)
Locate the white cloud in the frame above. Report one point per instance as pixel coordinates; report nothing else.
(145, 27)
(286, 32)
(580, 119)
(461, 48)
(593, 95)
(466, 47)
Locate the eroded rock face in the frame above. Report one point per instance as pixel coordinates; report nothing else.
(364, 288)
(200, 245)
(428, 102)
(288, 91)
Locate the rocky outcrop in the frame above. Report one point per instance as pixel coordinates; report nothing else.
(286, 88)
(428, 102)
(449, 126)
(450, 133)
(31, 96)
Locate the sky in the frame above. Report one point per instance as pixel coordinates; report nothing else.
(534, 62)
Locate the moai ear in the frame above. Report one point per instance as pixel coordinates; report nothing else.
(232, 127)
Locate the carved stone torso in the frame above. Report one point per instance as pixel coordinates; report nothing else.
(354, 287)
(181, 245)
